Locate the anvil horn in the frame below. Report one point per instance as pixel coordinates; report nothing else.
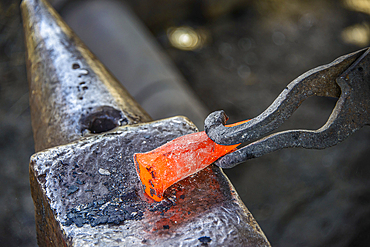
(71, 92)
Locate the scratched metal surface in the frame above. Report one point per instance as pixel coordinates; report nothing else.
(94, 193)
(69, 87)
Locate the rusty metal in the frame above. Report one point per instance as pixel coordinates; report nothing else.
(348, 78)
(84, 185)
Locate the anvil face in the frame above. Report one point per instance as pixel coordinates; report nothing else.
(95, 196)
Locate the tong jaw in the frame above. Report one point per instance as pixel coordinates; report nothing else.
(348, 78)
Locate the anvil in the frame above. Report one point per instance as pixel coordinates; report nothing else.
(83, 180)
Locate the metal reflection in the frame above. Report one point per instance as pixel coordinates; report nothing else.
(186, 38)
(358, 5)
(358, 34)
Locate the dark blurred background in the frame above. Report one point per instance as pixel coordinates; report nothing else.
(236, 55)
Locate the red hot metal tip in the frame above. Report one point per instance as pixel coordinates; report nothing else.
(164, 166)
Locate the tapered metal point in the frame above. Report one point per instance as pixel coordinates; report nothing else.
(71, 92)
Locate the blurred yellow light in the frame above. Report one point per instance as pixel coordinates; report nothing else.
(185, 38)
(358, 5)
(358, 34)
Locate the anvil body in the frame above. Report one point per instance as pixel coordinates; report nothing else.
(86, 129)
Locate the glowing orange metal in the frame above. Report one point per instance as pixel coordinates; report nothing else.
(162, 167)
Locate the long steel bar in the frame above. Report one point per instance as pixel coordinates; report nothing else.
(83, 182)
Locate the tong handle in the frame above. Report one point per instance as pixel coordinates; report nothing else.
(351, 112)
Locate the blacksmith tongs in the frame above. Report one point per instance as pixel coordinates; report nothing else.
(346, 78)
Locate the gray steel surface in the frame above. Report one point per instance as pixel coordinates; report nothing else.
(70, 90)
(95, 196)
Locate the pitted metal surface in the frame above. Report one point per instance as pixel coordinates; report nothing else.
(94, 193)
(71, 92)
